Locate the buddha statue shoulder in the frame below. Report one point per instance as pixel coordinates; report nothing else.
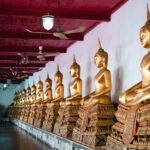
(59, 90)
(33, 96)
(102, 81)
(40, 94)
(76, 85)
(140, 93)
(28, 97)
(48, 92)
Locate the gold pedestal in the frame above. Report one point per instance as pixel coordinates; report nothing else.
(39, 118)
(22, 113)
(51, 117)
(67, 120)
(32, 114)
(94, 125)
(132, 129)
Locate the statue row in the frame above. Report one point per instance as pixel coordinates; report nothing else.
(89, 120)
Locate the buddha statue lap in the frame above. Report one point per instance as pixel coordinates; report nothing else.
(47, 101)
(96, 115)
(133, 127)
(33, 106)
(40, 111)
(53, 108)
(68, 112)
(27, 105)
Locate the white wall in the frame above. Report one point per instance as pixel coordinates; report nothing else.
(120, 38)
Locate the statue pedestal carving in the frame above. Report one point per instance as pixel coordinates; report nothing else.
(32, 114)
(132, 129)
(67, 120)
(51, 117)
(40, 116)
(94, 125)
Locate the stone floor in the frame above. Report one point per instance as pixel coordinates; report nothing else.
(13, 138)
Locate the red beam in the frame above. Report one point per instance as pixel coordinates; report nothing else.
(28, 65)
(26, 35)
(83, 15)
(32, 58)
(19, 68)
(32, 49)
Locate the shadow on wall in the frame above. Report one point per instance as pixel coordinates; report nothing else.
(88, 85)
(2, 111)
(118, 85)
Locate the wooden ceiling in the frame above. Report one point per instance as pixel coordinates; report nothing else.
(17, 15)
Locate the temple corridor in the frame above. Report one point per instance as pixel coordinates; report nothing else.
(13, 138)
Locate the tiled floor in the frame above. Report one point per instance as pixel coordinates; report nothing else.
(13, 138)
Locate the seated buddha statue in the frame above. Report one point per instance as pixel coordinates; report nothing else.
(133, 126)
(23, 99)
(59, 90)
(40, 111)
(33, 105)
(68, 113)
(33, 95)
(40, 94)
(48, 93)
(27, 104)
(52, 109)
(97, 112)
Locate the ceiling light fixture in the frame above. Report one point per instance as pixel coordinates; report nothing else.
(48, 20)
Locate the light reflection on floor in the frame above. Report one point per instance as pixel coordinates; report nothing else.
(13, 138)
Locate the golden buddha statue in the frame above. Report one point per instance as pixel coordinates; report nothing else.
(33, 96)
(33, 106)
(23, 99)
(40, 111)
(97, 112)
(48, 93)
(53, 107)
(40, 94)
(132, 128)
(68, 113)
(27, 104)
(28, 98)
(59, 90)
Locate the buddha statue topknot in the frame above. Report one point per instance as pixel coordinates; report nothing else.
(97, 112)
(132, 129)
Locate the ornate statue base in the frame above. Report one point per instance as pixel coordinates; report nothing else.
(67, 120)
(22, 113)
(94, 125)
(40, 116)
(32, 114)
(132, 129)
(51, 117)
(26, 114)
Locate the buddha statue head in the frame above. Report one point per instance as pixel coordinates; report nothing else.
(29, 90)
(48, 82)
(58, 76)
(33, 88)
(75, 69)
(40, 85)
(101, 57)
(145, 32)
